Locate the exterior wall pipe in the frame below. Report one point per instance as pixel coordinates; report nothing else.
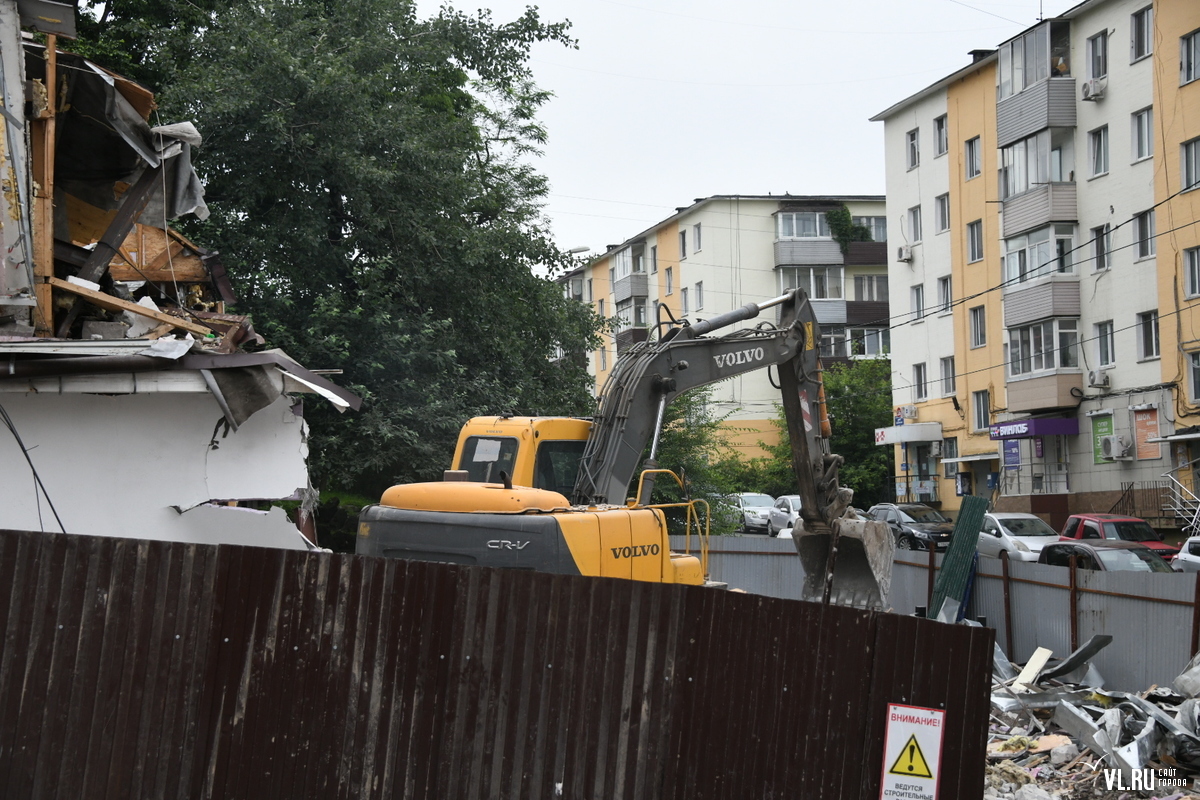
(1074, 588)
(1008, 638)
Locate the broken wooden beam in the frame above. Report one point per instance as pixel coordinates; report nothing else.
(107, 301)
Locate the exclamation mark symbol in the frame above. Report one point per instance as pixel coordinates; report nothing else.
(912, 754)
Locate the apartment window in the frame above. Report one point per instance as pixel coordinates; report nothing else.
(699, 295)
(802, 225)
(1039, 253)
(949, 454)
(973, 158)
(920, 386)
(1143, 233)
(612, 277)
(948, 375)
(1097, 52)
(941, 141)
(1191, 267)
(833, 343)
(1102, 247)
(981, 407)
(913, 148)
(624, 309)
(600, 307)
(821, 283)
(639, 312)
(941, 207)
(945, 298)
(654, 259)
(683, 244)
(871, 288)
(670, 276)
(1027, 59)
(1140, 34)
(1194, 359)
(1142, 134)
(1025, 164)
(975, 241)
(876, 225)
(683, 301)
(1189, 57)
(1148, 335)
(590, 295)
(1105, 350)
(1043, 346)
(914, 224)
(1190, 162)
(978, 316)
(870, 342)
(1098, 150)
(696, 245)
(917, 294)
(603, 359)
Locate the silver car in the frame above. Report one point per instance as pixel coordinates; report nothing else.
(1021, 535)
(753, 508)
(783, 514)
(1188, 558)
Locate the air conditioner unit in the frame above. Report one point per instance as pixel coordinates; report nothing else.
(1093, 90)
(935, 449)
(1116, 448)
(904, 253)
(908, 412)
(1098, 378)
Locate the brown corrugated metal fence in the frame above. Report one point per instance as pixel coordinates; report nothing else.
(146, 669)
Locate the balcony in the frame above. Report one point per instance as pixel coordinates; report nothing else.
(633, 285)
(1055, 296)
(629, 337)
(1049, 104)
(808, 252)
(1045, 393)
(867, 254)
(1038, 207)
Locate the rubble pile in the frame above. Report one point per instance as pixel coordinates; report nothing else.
(1057, 733)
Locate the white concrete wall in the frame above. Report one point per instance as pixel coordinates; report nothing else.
(133, 465)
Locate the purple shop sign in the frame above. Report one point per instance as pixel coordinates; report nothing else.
(1030, 428)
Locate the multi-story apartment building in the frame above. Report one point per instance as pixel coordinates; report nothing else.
(724, 251)
(1047, 168)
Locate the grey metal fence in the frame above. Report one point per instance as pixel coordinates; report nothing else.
(1154, 618)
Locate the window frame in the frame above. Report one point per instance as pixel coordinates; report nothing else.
(977, 315)
(684, 309)
(1189, 164)
(1098, 149)
(871, 288)
(683, 251)
(669, 280)
(1043, 347)
(1141, 22)
(1189, 57)
(698, 295)
(1141, 135)
(1102, 247)
(916, 297)
(820, 225)
(696, 240)
(945, 303)
(1191, 271)
(653, 259)
(912, 148)
(975, 241)
(941, 212)
(914, 224)
(1144, 237)
(1105, 343)
(1097, 56)
(834, 281)
(920, 383)
(972, 158)
(941, 135)
(882, 342)
(1149, 342)
(981, 421)
(949, 377)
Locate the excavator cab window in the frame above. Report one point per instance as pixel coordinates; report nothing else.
(558, 465)
(485, 457)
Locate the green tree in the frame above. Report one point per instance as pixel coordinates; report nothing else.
(858, 395)
(371, 191)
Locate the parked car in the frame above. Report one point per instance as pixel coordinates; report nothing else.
(753, 507)
(915, 526)
(1188, 557)
(1022, 536)
(1081, 527)
(783, 514)
(1109, 555)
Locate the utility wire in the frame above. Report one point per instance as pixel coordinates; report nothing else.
(8, 423)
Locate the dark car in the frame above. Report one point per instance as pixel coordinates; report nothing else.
(915, 526)
(1108, 555)
(1089, 527)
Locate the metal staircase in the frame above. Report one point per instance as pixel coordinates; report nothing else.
(1183, 504)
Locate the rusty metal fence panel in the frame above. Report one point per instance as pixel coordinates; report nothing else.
(153, 669)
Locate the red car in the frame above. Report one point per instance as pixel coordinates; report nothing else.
(1081, 527)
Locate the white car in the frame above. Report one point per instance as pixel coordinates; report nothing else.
(783, 514)
(1188, 559)
(1021, 535)
(753, 508)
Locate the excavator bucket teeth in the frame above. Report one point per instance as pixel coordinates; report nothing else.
(862, 564)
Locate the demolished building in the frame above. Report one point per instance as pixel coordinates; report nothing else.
(129, 403)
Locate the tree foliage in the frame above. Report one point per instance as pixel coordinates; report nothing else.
(371, 191)
(858, 395)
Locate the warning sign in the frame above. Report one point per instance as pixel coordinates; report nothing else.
(911, 752)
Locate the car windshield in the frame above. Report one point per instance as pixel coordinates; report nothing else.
(1028, 527)
(1130, 531)
(920, 514)
(1132, 560)
(756, 500)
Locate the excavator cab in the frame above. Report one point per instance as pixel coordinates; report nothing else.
(539, 452)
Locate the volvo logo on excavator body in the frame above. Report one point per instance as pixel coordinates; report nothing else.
(749, 356)
(635, 551)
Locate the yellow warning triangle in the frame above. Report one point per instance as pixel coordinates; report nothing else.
(911, 761)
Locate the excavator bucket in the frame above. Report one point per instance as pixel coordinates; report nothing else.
(849, 565)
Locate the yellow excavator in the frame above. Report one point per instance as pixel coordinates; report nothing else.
(551, 494)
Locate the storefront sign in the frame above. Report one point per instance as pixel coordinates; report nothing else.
(1031, 428)
(1101, 427)
(1012, 454)
(1145, 426)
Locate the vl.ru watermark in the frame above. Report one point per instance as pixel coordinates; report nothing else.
(1144, 779)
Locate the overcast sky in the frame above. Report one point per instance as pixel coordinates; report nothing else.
(666, 101)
